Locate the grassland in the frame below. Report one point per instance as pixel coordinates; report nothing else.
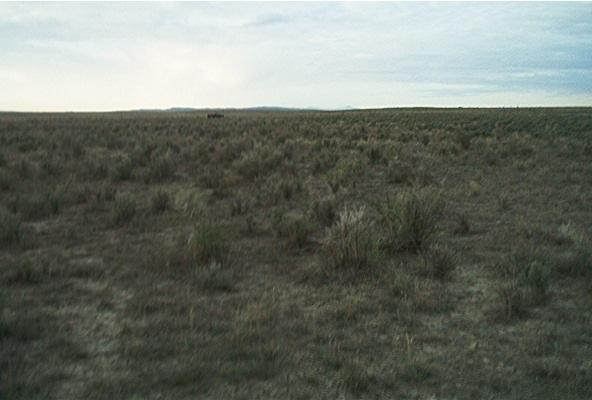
(386, 254)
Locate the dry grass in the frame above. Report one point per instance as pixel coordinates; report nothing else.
(378, 254)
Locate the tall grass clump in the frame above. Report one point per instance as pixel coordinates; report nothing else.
(349, 242)
(410, 220)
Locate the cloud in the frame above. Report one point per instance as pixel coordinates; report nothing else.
(136, 55)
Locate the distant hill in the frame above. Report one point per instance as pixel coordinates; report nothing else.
(253, 109)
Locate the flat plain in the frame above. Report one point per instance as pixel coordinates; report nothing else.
(380, 254)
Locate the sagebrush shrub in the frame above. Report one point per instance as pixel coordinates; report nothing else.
(410, 220)
(349, 242)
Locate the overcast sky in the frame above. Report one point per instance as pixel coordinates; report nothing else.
(108, 56)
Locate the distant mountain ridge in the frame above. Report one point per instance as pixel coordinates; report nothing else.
(254, 109)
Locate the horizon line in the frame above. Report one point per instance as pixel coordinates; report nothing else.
(181, 109)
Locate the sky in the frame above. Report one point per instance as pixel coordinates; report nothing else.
(120, 56)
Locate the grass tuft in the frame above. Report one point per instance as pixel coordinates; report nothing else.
(349, 243)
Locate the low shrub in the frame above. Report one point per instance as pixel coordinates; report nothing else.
(287, 188)
(410, 220)
(160, 202)
(438, 262)
(325, 211)
(10, 229)
(239, 205)
(526, 277)
(258, 162)
(212, 177)
(4, 329)
(55, 199)
(207, 244)
(577, 260)
(538, 277)
(408, 170)
(400, 286)
(94, 168)
(463, 225)
(160, 168)
(214, 277)
(122, 170)
(295, 230)
(6, 180)
(37, 206)
(400, 172)
(201, 257)
(124, 209)
(357, 379)
(511, 300)
(375, 154)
